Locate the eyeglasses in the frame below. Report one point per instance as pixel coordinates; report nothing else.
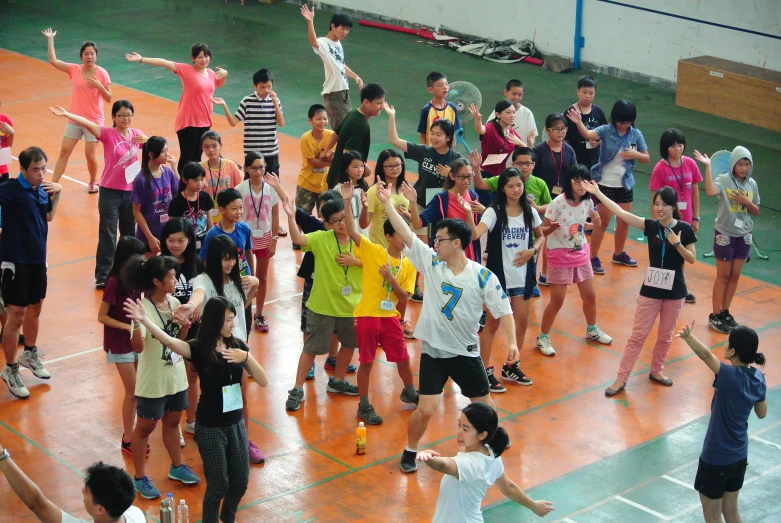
(437, 241)
(523, 164)
(464, 177)
(337, 221)
(124, 116)
(257, 169)
(558, 129)
(393, 166)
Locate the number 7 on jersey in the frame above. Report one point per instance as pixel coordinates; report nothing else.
(455, 295)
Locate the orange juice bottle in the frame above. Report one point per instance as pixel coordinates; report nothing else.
(360, 439)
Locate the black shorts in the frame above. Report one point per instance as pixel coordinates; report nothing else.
(272, 163)
(713, 481)
(467, 372)
(23, 284)
(618, 194)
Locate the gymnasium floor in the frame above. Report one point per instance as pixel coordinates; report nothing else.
(627, 459)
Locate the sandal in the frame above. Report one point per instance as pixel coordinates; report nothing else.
(92, 188)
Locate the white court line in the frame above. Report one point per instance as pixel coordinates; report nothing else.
(568, 520)
(283, 298)
(766, 442)
(641, 507)
(679, 482)
(769, 427)
(64, 176)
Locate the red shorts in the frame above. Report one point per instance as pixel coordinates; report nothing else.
(260, 253)
(369, 331)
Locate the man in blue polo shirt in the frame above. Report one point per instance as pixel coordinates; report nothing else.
(29, 204)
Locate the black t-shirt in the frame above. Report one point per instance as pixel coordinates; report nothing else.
(672, 259)
(195, 211)
(428, 159)
(551, 166)
(592, 120)
(213, 377)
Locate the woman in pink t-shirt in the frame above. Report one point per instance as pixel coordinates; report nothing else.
(194, 116)
(498, 136)
(121, 145)
(90, 87)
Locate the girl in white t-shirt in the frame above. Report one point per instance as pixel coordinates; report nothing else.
(569, 255)
(354, 166)
(469, 474)
(512, 257)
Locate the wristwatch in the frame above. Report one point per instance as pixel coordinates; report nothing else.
(677, 244)
(275, 238)
(696, 219)
(5, 455)
(536, 252)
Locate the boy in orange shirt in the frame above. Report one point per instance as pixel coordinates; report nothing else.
(388, 278)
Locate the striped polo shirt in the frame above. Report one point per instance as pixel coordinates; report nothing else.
(260, 124)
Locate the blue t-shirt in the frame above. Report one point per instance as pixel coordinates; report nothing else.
(241, 236)
(737, 390)
(25, 226)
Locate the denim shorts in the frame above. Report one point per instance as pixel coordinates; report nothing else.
(515, 292)
(154, 408)
(129, 357)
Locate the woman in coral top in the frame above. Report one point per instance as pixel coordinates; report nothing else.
(91, 86)
(194, 116)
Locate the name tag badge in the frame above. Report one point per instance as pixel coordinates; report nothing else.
(682, 206)
(659, 278)
(688, 185)
(198, 244)
(175, 358)
(347, 290)
(633, 146)
(738, 223)
(589, 146)
(131, 171)
(163, 218)
(213, 212)
(231, 398)
(556, 189)
(387, 305)
(257, 233)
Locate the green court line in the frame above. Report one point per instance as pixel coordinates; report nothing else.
(69, 262)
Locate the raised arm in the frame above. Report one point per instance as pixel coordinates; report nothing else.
(347, 190)
(710, 188)
(59, 64)
(92, 127)
(479, 127)
(273, 180)
(309, 16)
(399, 224)
(232, 120)
(393, 135)
(588, 134)
(434, 460)
(510, 489)
(699, 348)
(414, 212)
(296, 236)
(136, 312)
(626, 216)
(476, 160)
(159, 62)
(27, 491)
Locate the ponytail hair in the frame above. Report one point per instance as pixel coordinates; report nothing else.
(484, 419)
(190, 171)
(455, 166)
(669, 197)
(745, 342)
(154, 146)
(139, 274)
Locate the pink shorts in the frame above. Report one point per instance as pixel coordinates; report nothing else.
(369, 331)
(569, 275)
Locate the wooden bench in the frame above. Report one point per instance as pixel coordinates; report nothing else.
(736, 91)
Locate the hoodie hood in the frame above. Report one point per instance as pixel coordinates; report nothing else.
(738, 153)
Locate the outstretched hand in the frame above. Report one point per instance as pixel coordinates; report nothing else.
(383, 192)
(475, 112)
(409, 192)
(686, 332)
(702, 158)
(135, 311)
(589, 186)
(389, 109)
(57, 110)
(475, 159)
(289, 207)
(426, 455)
(308, 15)
(347, 190)
(133, 57)
(49, 33)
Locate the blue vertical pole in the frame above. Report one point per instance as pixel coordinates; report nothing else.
(579, 40)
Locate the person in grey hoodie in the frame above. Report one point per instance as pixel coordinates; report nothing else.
(738, 195)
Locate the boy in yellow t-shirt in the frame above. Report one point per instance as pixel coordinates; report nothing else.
(315, 159)
(388, 279)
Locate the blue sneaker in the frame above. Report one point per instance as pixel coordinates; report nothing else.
(624, 259)
(536, 292)
(311, 374)
(145, 488)
(330, 364)
(184, 474)
(542, 281)
(596, 265)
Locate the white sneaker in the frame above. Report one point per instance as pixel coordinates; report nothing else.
(181, 437)
(29, 359)
(189, 427)
(543, 343)
(15, 383)
(598, 336)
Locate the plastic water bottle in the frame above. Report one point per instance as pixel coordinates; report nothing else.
(360, 439)
(183, 512)
(166, 509)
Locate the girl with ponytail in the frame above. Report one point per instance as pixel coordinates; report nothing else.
(153, 190)
(739, 388)
(469, 474)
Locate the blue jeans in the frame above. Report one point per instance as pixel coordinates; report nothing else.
(116, 210)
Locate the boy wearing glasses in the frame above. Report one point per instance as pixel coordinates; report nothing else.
(335, 293)
(457, 290)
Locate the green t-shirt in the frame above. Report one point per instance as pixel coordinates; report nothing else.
(354, 135)
(534, 186)
(330, 277)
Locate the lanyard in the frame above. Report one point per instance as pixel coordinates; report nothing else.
(161, 186)
(664, 239)
(162, 321)
(740, 191)
(194, 216)
(393, 271)
(561, 162)
(259, 208)
(677, 179)
(216, 187)
(349, 249)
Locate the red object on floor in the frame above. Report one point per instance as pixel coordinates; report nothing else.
(532, 60)
(417, 32)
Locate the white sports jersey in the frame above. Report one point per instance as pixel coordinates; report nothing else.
(452, 304)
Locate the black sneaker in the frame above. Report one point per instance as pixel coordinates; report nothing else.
(690, 298)
(728, 319)
(716, 322)
(493, 383)
(514, 373)
(417, 295)
(408, 461)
